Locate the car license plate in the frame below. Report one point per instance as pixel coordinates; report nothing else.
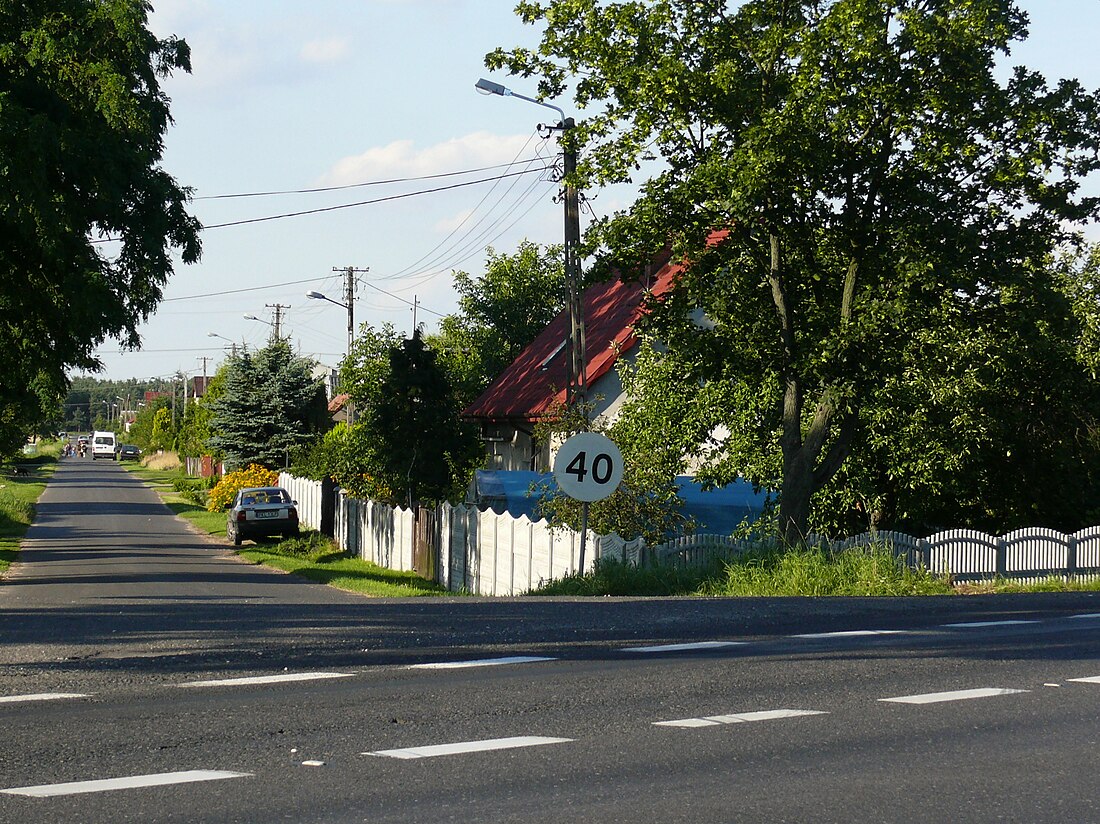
(267, 513)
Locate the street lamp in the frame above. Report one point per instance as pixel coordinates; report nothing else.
(578, 380)
(350, 307)
(232, 343)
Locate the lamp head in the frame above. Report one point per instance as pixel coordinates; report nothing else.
(489, 87)
(315, 296)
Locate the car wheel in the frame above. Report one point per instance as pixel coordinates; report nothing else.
(293, 533)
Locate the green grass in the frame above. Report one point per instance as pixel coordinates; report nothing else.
(813, 572)
(18, 494)
(804, 572)
(311, 556)
(323, 562)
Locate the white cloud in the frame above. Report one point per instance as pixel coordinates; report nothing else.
(326, 50)
(402, 158)
(450, 224)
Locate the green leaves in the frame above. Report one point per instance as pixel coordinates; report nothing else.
(882, 194)
(82, 120)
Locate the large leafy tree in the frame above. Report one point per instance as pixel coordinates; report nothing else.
(270, 406)
(89, 220)
(874, 182)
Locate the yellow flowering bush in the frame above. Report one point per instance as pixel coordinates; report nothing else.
(223, 494)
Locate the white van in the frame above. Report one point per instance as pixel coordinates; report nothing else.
(103, 445)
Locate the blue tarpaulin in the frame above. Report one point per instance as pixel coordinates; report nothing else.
(716, 511)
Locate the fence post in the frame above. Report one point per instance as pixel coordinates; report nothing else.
(1001, 558)
(1071, 557)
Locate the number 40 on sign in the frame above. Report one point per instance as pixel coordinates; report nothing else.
(588, 467)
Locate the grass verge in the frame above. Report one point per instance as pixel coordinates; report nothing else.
(311, 556)
(803, 572)
(18, 495)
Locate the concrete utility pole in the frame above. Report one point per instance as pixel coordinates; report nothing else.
(578, 379)
(349, 303)
(277, 321)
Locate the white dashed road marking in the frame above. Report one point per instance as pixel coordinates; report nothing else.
(469, 746)
(483, 662)
(1094, 679)
(737, 718)
(685, 647)
(40, 696)
(267, 679)
(132, 782)
(855, 633)
(974, 624)
(957, 695)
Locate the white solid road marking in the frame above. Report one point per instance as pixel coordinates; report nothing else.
(1095, 679)
(268, 679)
(971, 624)
(133, 782)
(483, 662)
(1087, 615)
(40, 696)
(684, 647)
(469, 746)
(737, 718)
(855, 633)
(957, 695)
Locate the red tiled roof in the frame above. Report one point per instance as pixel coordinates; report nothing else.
(537, 380)
(338, 403)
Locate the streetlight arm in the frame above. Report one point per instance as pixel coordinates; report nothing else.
(489, 87)
(319, 296)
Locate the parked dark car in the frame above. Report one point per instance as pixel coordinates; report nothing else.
(128, 452)
(260, 512)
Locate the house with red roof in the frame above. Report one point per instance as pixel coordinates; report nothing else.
(536, 382)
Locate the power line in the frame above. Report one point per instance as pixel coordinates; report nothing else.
(238, 291)
(367, 183)
(369, 202)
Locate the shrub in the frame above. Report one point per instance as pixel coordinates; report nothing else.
(252, 475)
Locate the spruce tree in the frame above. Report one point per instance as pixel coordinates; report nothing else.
(271, 405)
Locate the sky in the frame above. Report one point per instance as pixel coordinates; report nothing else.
(348, 96)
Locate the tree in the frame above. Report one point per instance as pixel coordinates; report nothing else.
(89, 219)
(499, 314)
(271, 405)
(407, 443)
(424, 452)
(870, 178)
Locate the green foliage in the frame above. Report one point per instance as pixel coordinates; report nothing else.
(82, 122)
(646, 502)
(499, 314)
(348, 455)
(225, 492)
(270, 406)
(424, 452)
(768, 572)
(812, 571)
(881, 192)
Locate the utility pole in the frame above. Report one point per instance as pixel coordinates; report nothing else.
(277, 323)
(349, 303)
(416, 303)
(204, 359)
(578, 379)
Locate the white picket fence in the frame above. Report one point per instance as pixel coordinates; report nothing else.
(486, 553)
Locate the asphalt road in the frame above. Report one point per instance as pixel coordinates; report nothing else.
(146, 675)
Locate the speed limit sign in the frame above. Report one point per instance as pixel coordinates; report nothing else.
(588, 467)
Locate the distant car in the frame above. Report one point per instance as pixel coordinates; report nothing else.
(259, 512)
(128, 452)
